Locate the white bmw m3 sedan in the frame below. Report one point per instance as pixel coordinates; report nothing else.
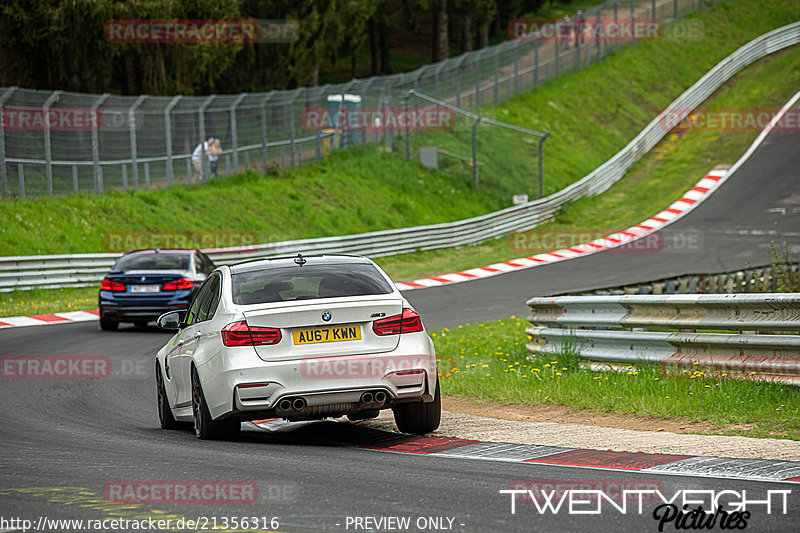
(299, 338)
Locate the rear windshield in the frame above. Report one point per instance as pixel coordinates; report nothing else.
(308, 282)
(152, 262)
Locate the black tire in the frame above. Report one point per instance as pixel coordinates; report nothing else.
(109, 325)
(165, 418)
(204, 426)
(419, 418)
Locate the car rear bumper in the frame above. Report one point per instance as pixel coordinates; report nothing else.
(136, 314)
(239, 383)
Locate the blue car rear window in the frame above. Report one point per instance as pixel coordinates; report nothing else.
(152, 261)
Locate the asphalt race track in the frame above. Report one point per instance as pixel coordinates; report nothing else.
(63, 442)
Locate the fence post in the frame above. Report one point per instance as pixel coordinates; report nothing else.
(3, 175)
(557, 39)
(496, 90)
(201, 123)
(48, 159)
(516, 69)
(408, 127)
(652, 10)
(264, 130)
(147, 175)
(168, 135)
(124, 177)
(74, 178)
(132, 127)
(21, 173)
(541, 164)
(616, 25)
(675, 9)
(478, 78)
(291, 127)
(536, 64)
(234, 132)
(97, 171)
(475, 151)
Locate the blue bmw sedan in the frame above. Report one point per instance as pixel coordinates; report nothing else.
(144, 284)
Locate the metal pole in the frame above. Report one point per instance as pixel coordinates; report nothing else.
(124, 177)
(616, 25)
(652, 10)
(541, 164)
(675, 9)
(48, 169)
(536, 65)
(74, 178)
(633, 18)
(234, 132)
(98, 174)
(558, 38)
(147, 175)
(201, 123)
(3, 175)
(475, 151)
(132, 126)
(516, 69)
(168, 135)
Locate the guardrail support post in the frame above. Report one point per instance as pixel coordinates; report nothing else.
(132, 128)
(147, 175)
(168, 135)
(495, 92)
(74, 178)
(3, 171)
(475, 151)
(124, 177)
(234, 132)
(97, 170)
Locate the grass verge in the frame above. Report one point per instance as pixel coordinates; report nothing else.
(489, 362)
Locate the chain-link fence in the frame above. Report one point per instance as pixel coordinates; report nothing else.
(61, 142)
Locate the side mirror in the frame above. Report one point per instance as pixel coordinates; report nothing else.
(171, 320)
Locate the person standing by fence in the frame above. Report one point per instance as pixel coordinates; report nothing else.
(200, 151)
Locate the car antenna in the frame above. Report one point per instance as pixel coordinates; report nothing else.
(300, 260)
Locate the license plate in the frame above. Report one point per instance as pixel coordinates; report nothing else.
(332, 334)
(145, 288)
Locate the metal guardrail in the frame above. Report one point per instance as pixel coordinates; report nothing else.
(83, 269)
(613, 329)
(750, 280)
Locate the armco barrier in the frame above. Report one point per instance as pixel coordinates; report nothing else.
(612, 329)
(85, 269)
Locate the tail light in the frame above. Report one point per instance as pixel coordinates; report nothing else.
(178, 285)
(407, 322)
(242, 334)
(108, 285)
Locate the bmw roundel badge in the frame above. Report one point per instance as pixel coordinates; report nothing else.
(326, 316)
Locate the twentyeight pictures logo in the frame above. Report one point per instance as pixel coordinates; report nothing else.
(682, 509)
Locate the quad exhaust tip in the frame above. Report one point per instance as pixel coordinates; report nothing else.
(377, 397)
(298, 404)
(366, 397)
